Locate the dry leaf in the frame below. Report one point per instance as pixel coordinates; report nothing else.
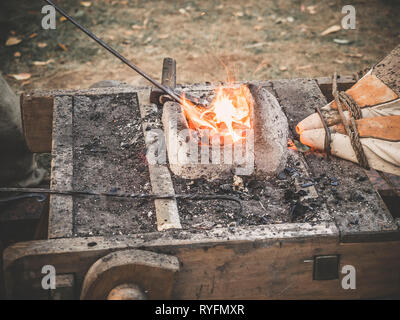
(42, 45)
(331, 29)
(163, 36)
(42, 63)
(62, 19)
(312, 9)
(33, 35)
(12, 41)
(283, 68)
(354, 55)
(257, 27)
(86, 4)
(63, 47)
(17, 54)
(21, 76)
(264, 64)
(304, 67)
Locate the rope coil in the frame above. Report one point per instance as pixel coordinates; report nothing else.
(343, 99)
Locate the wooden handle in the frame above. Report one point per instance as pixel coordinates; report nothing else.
(386, 128)
(169, 73)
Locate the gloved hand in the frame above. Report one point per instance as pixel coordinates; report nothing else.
(378, 128)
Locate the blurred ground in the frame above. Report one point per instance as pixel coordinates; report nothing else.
(253, 39)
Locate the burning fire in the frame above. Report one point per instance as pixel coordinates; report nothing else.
(228, 115)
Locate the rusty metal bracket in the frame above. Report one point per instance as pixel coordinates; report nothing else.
(326, 267)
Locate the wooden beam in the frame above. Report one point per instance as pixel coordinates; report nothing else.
(252, 263)
(160, 176)
(37, 121)
(60, 223)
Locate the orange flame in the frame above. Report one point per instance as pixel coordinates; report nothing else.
(228, 115)
(291, 145)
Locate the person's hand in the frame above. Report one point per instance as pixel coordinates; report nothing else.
(378, 128)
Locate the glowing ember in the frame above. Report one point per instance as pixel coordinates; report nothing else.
(291, 145)
(228, 115)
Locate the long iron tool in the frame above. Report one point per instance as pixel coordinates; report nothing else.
(168, 91)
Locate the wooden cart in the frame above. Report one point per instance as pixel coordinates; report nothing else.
(265, 261)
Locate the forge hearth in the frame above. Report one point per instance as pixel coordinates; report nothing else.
(312, 208)
(263, 151)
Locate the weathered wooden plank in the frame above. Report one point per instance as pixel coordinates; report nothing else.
(19, 219)
(65, 287)
(37, 118)
(23, 261)
(357, 209)
(61, 207)
(388, 70)
(251, 263)
(160, 177)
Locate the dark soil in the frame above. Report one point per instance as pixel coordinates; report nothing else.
(211, 41)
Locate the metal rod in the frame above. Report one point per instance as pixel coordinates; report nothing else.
(167, 90)
(37, 191)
